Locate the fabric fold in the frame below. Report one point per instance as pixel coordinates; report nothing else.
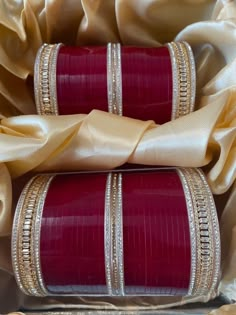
(101, 140)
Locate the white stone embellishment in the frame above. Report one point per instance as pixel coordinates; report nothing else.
(114, 79)
(113, 235)
(45, 80)
(204, 232)
(26, 237)
(184, 78)
(193, 82)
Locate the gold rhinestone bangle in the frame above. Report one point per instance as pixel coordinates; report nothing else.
(187, 98)
(184, 79)
(114, 79)
(26, 237)
(192, 69)
(45, 80)
(204, 232)
(113, 235)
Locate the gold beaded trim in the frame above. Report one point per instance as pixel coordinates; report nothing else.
(26, 236)
(45, 78)
(113, 235)
(192, 68)
(204, 232)
(114, 79)
(184, 79)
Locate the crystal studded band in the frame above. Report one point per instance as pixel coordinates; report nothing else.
(114, 79)
(204, 232)
(187, 99)
(45, 80)
(26, 237)
(184, 78)
(113, 235)
(192, 67)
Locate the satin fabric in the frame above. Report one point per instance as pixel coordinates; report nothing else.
(101, 140)
(225, 310)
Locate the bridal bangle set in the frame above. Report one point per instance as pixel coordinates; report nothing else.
(147, 232)
(142, 83)
(142, 232)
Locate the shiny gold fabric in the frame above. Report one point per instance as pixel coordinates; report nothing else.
(196, 311)
(101, 140)
(225, 310)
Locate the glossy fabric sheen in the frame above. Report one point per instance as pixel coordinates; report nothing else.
(156, 234)
(146, 81)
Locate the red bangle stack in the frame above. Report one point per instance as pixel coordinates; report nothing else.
(117, 234)
(142, 83)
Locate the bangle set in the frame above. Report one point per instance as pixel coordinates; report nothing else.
(142, 83)
(142, 233)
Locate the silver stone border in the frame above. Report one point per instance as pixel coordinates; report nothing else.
(192, 75)
(192, 230)
(107, 234)
(16, 229)
(53, 78)
(186, 53)
(37, 234)
(119, 235)
(215, 233)
(205, 269)
(183, 77)
(37, 79)
(41, 83)
(114, 79)
(175, 81)
(113, 235)
(26, 260)
(119, 80)
(45, 79)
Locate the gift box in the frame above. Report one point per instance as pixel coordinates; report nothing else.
(101, 140)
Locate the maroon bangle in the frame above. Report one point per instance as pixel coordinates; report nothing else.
(142, 83)
(117, 234)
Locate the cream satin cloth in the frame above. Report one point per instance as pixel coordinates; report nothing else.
(225, 310)
(101, 140)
